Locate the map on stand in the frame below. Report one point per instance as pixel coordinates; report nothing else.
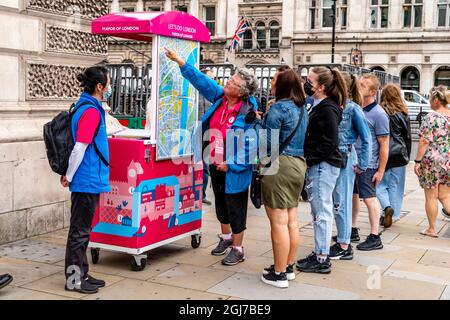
(177, 100)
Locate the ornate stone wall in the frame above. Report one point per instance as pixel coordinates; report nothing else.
(73, 41)
(86, 8)
(52, 82)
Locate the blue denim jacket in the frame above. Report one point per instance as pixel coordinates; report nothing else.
(352, 126)
(284, 116)
(241, 158)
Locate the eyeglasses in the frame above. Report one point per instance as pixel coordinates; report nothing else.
(435, 92)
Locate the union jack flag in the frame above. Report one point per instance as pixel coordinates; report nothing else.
(243, 25)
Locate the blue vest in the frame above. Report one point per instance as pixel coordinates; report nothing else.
(92, 175)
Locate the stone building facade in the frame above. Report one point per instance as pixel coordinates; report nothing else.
(43, 45)
(409, 38)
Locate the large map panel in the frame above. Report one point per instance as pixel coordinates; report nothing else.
(177, 100)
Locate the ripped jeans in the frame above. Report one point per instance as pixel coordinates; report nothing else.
(320, 182)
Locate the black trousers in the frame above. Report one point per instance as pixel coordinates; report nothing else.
(230, 208)
(82, 210)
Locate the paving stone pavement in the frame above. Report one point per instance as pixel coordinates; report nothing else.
(410, 266)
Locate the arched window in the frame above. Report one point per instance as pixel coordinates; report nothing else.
(248, 39)
(442, 76)
(261, 34)
(377, 68)
(410, 79)
(274, 34)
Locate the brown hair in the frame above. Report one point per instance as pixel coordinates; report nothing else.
(391, 100)
(441, 93)
(374, 79)
(289, 86)
(354, 88)
(334, 83)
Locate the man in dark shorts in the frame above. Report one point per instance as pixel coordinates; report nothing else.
(367, 181)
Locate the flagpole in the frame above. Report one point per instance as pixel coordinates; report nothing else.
(251, 29)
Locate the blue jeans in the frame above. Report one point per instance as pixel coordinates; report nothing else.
(342, 198)
(391, 189)
(321, 180)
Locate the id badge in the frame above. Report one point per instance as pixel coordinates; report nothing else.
(219, 149)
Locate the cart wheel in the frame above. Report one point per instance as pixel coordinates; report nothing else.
(196, 239)
(95, 254)
(138, 267)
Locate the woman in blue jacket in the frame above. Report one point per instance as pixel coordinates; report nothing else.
(231, 150)
(87, 175)
(353, 126)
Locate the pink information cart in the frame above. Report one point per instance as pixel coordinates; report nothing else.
(156, 185)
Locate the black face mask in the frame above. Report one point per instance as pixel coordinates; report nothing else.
(308, 89)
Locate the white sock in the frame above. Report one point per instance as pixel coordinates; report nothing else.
(241, 249)
(226, 236)
(321, 259)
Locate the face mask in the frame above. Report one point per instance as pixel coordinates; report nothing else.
(309, 89)
(108, 93)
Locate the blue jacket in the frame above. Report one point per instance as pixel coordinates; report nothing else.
(241, 143)
(284, 116)
(352, 126)
(92, 175)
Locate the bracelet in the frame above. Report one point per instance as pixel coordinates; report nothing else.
(418, 161)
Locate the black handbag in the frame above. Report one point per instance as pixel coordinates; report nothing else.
(256, 186)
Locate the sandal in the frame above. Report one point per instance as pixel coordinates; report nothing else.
(424, 233)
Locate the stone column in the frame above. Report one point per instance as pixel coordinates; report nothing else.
(168, 5)
(193, 8)
(41, 82)
(232, 21)
(115, 7)
(221, 23)
(140, 6)
(287, 31)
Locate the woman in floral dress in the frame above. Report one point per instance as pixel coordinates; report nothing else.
(433, 157)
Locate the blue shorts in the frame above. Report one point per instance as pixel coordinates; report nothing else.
(364, 186)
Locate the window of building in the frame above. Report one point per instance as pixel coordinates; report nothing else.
(209, 14)
(154, 9)
(247, 40)
(327, 13)
(344, 11)
(442, 76)
(128, 9)
(379, 13)
(274, 34)
(312, 14)
(412, 13)
(181, 8)
(261, 34)
(444, 13)
(410, 79)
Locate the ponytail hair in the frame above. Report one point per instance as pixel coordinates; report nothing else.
(334, 83)
(91, 77)
(354, 88)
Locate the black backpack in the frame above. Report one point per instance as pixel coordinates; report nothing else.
(59, 143)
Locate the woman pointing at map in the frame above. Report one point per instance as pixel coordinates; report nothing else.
(231, 173)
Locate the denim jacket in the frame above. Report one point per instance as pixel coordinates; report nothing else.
(240, 160)
(284, 116)
(352, 126)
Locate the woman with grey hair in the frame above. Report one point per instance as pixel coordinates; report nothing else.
(224, 127)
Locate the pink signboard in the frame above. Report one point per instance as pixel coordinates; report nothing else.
(141, 25)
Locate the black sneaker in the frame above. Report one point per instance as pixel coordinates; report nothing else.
(290, 274)
(96, 282)
(314, 266)
(234, 257)
(222, 247)
(276, 280)
(354, 237)
(206, 201)
(82, 287)
(311, 257)
(388, 214)
(337, 253)
(373, 242)
(5, 279)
